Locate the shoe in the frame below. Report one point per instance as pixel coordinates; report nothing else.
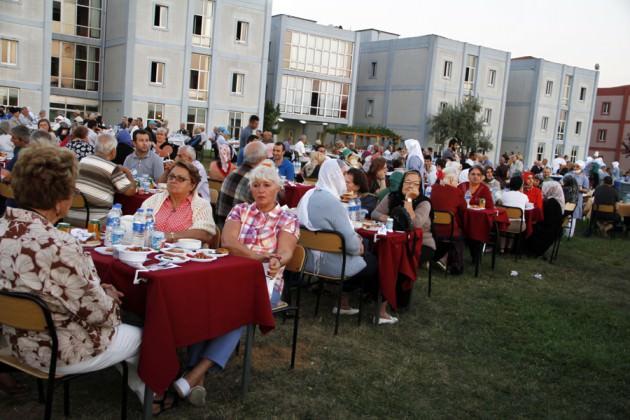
(351, 311)
(441, 265)
(385, 321)
(197, 396)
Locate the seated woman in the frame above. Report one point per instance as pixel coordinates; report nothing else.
(163, 148)
(547, 230)
(311, 169)
(179, 211)
(261, 231)
(376, 175)
(222, 165)
(533, 193)
(51, 265)
(476, 188)
(321, 209)
(357, 184)
(491, 181)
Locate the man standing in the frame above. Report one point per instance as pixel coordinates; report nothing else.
(187, 154)
(26, 117)
(144, 160)
(451, 152)
(245, 133)
(285, 167)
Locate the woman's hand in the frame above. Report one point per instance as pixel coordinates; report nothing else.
(274, 266)
(113, 293)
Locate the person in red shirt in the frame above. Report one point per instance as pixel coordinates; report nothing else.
(477, 188)
(533, 193)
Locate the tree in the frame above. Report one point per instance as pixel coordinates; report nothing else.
(271, 117)
(461, 121)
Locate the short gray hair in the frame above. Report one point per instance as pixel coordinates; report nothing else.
(189, 150)
(42, 138)
(161, 130)
(303, 138)
(105, 143)
(266, 171)
(255, 152)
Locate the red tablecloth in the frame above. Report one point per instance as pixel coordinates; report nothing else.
(130, 203)
(478, 224)
(186, 305)
(393, 258)
(293, 193)
(531, 217)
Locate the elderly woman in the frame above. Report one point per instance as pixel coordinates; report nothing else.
(180, 212)
(547, 230)
(475, 189)
(51, 265)
(311, 169)
(321, 209)
(163, 148)
(222, 165)
(80, 144)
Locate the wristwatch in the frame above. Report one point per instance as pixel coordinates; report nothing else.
(409, 200)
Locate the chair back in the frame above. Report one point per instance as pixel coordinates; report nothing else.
(604, 208)
(214, 184)
(79, 202)
(6, 191)
(514, 213)
(310, 181)
(443, 219)
(296, 264)
(569, 207)
(214, 196)
(23, 311)
(325, 241)
(216, 239)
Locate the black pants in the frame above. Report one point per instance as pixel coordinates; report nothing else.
(368, 276)
(455, 252)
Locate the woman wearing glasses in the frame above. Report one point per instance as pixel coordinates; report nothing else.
(476, 189)
(180, 212)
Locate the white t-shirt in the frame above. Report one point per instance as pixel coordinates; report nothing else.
(463, 175)
(299, 148)
(514, 199)
(557, 162)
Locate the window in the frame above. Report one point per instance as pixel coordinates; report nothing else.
(443, 106)
(9, 96)
(156, 111)
(566, 89)
(74, 66)
(582, 94)
(238, 79)
(8, 52)
(242, 28)
(301, 95)
(540, 151)
(559, 150)
(235, 123)
(373, 70)
(544, 124)
(198, 86)
(317, 54)
(605, 108)
(601, 135)
(469, 72)
(196, 117)
(549, 88)
(67, 106)
(369, 108)
(487, 115)
(492, 77)
(447, 70)
(574, 153)
(160, 16)
(157, 73)
(88, 18)
(578, 127)
(202, 25)
(56, 13)
(562, 123)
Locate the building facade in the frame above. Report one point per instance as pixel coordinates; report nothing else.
(202, 62)
(549, 110)
(402, 82)
(311, 75)
(611, 126)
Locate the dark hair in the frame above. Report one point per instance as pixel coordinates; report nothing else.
(91, 123)
(608, 180)
(488, 168)
(440, 162)
(254, 118)
(516, 182)
(397, 163)
(375, 165)
(252, 138)
(195, 178)
(428, 157)
(452, 142)
(279, 143)
(397, 198)
(359, 178)
(477, 167)
(80, 132)
(21, 132)
(139, 132)
(47, 122)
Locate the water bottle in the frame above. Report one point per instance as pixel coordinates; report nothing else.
(467, 197)
(427, 191)
(297, 166)
(356, 210)
(149, 227)
(138, 228)
(111, 223)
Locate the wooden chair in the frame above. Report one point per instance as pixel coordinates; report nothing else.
(214, 197)
(79, 202)
(6, 191)
(443, 219)
(513, 213)
(216, 239)
(332, 242)
(214, 184)
(604, 212)
(567, 221)
(24, 311)
(310, 181)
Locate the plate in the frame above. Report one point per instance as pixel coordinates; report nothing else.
(104, 250)
(216, 252)
(476, 208)
(174, 251)
(209, 257)
(176, 259)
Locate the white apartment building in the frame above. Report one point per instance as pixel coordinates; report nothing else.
(311, 75)
(202, 62)
(549, 109)
(402, 82)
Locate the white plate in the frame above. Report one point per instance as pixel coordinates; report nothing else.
(213, 252)
(175, 259)
(103, 250)
(476, 208)
(170, 252)
(202, 260)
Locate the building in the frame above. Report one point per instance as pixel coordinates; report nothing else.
(611, 126)
(201, 62)
(402, 82)
(311, 75)
(549, 110)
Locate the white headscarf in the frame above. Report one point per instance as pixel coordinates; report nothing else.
(553, 189)
(413, 148)
(330, 179)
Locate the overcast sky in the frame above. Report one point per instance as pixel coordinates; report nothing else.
(574, 32)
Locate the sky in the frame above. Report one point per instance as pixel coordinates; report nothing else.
(573, 32)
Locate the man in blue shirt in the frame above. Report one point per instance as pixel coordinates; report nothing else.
(245, 133)
(285, 167)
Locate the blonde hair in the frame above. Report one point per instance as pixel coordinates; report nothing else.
(266, 171)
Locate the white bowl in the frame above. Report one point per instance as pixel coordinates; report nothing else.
(189, 244)
(132, 256)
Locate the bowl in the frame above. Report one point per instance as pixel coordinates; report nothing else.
(133, 254)
(189, 244)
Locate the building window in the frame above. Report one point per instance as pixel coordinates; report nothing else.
(443, 106)
(492, 77)
(88, 18)
(566, 89)
(605, 108)
(559, 150)
(56, 12)
(578, 127)
(242, 30)
(540, 151)
(562, 124)
(198, 86)
(156, 111)
(196, 117)
(238, 80)
(487, 115)
(202, 25)
(447, 71)
(74, 66)
(69, 107)
(157, 73)
(8, 52)
(317, 54)
(301, 95)
(582, 94)
(601, 135)
(160, 16)
(9, 96)
(574, 153)
(235, 123)
(369, 108)
(469, 73)
(373, 70)
(544, 124)
(549, 88)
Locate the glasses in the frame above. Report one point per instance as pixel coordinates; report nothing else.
(413, 184)
(177, 178)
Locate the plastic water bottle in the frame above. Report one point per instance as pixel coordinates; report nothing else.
(297, 166)
(138, 228)
(149, 227)
(356, 210)
(427, 191)
(111, 223)
(467, 197)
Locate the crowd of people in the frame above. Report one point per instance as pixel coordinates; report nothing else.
(406, 183)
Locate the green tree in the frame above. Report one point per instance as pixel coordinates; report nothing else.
(463, 122)
(271, 117)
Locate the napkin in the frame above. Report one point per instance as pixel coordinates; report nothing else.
(81, 234)
(382, 231)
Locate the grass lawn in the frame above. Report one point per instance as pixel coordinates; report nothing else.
(493, 346)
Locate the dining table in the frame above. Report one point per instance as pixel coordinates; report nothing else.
(293, 193)
(131, 203)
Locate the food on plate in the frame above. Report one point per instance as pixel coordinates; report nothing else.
(174, 258)
(200, 256)
(139, 249)
(175, 251)
(222, 251)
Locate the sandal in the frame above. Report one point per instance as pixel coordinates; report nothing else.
(163, 403)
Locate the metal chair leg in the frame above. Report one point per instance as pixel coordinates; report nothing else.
(66, 398)
(319, 296)
(40, 391)
(338, 309)
(125, 381)
(49, 398)
(247, 359)
(296, 322)
(359, 318)
(430, 273)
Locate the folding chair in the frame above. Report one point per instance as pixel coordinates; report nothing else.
(215, 185)
(567, 221)
(24, 311)
(443, 219)
(79, 202)
(513, 213)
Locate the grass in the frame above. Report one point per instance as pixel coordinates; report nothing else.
(494, 346)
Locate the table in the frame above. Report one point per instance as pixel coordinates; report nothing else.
(293, 193)
(186, 305)
(532, 216)
(131, 203)
(478, 224)
(393, 258)
(623, 209)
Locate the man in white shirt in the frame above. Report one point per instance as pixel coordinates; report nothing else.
(299, 146)
(26, 116)
(515, 198)
(429, 171)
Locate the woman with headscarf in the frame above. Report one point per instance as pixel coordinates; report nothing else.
(582, 184)
(615, 172)
(415, 158)
(222, 166)
(321, 209)
(547, 230)
(533, 193)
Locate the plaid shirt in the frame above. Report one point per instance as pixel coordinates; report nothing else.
(234, 190)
